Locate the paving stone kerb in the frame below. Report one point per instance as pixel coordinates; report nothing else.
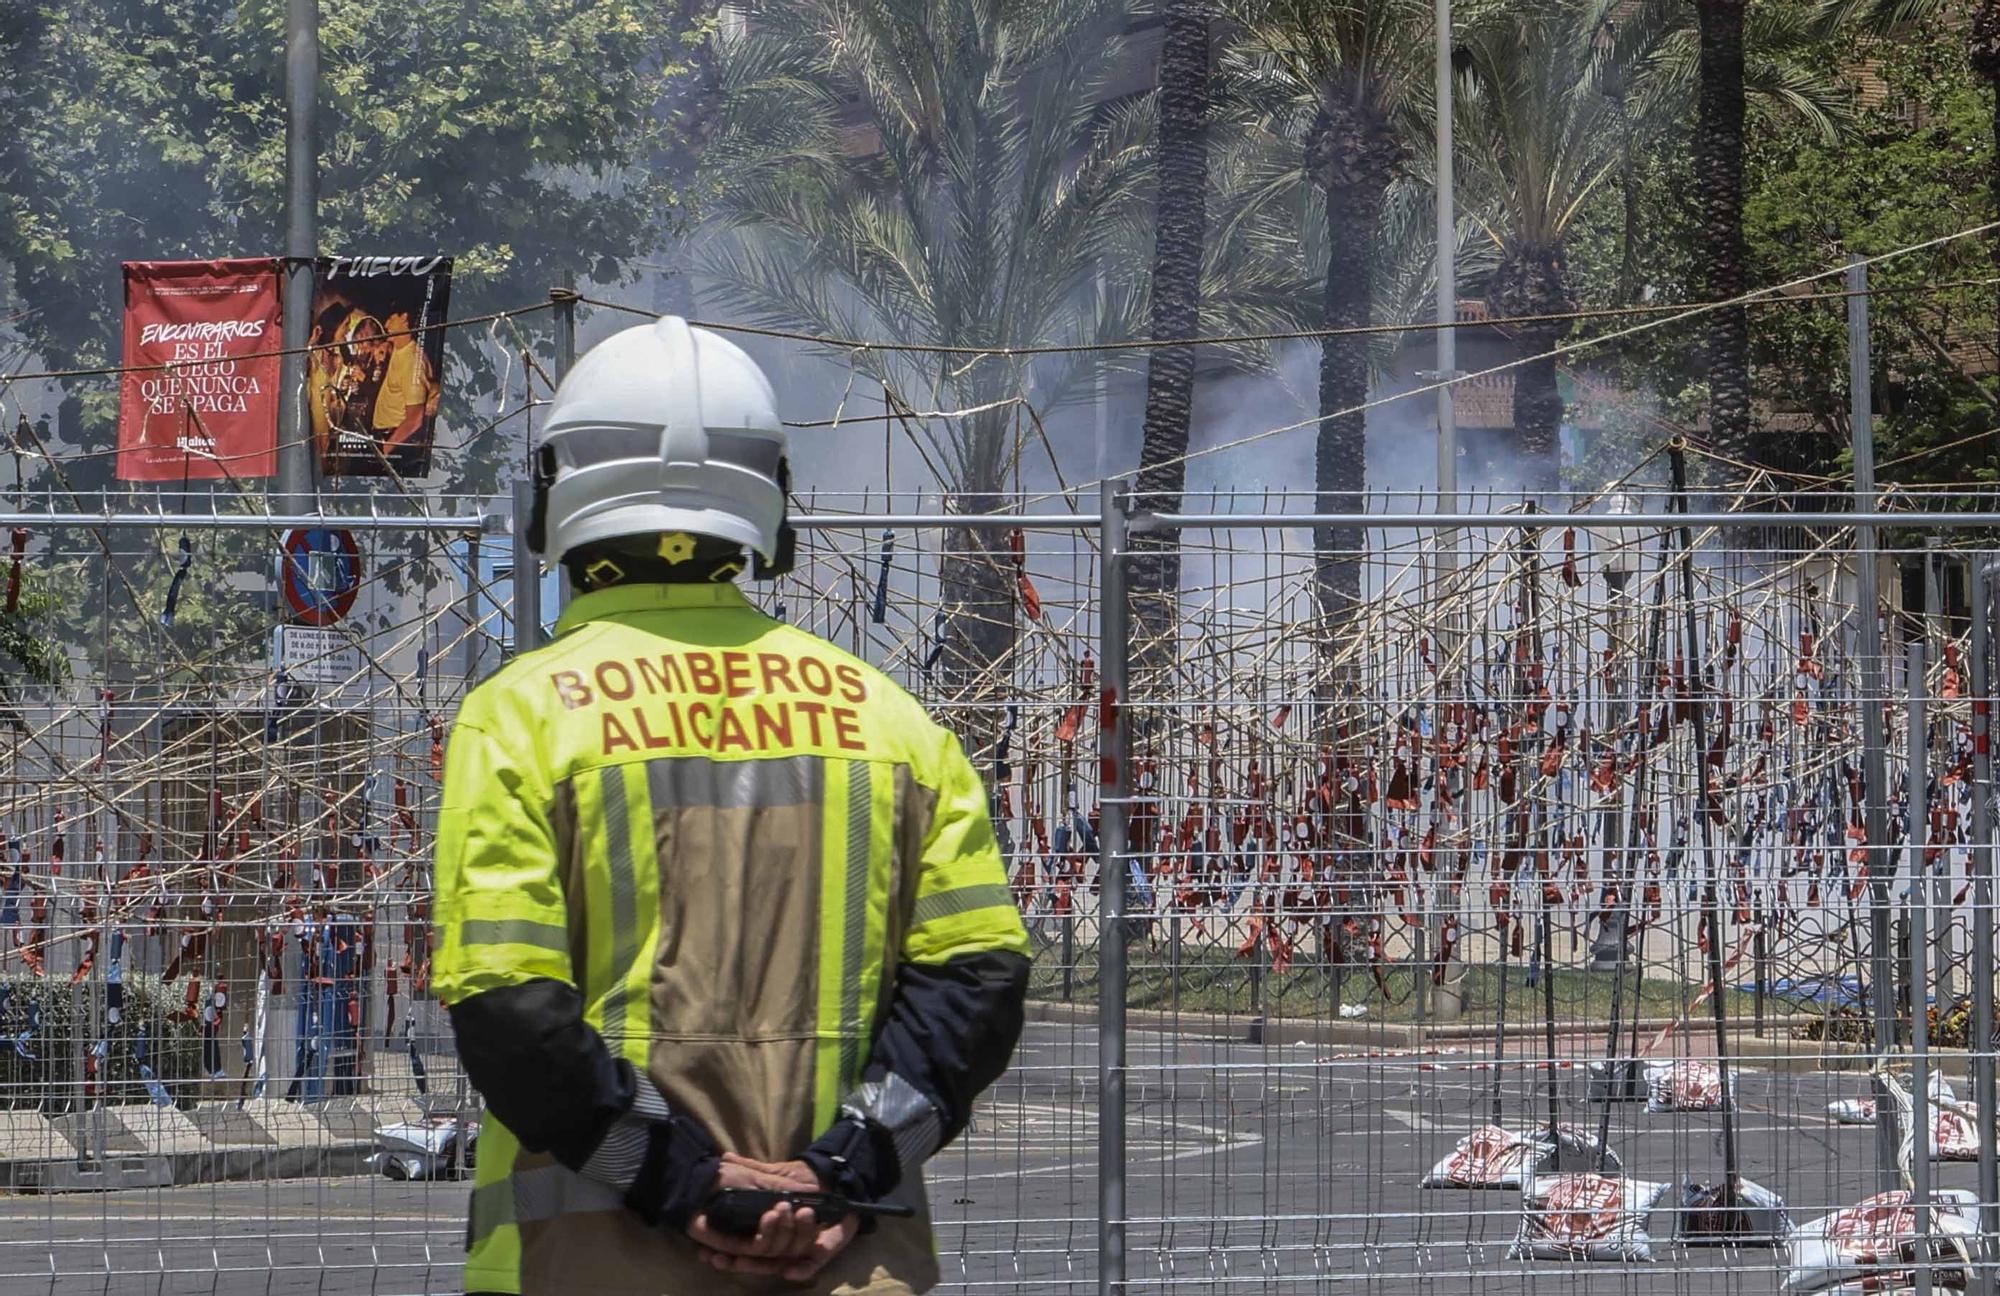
(121, 1146)
(1776, 1049)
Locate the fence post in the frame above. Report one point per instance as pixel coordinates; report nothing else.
(1980, 1041)
(564, 296)
(1874, 738)
(469, 611)
(1916, 800)
(1113, 779)
(1069, 954)
(527, 574)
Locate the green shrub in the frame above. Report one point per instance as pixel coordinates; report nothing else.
(49, 1080)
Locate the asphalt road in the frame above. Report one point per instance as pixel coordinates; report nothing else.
(1251, 1168)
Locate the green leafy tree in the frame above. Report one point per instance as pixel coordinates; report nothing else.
(1823, 178)
(1931, 20)
(527, 140)
(1915, 171)
(1563, 95)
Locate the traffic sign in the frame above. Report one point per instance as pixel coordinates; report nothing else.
(322, 573)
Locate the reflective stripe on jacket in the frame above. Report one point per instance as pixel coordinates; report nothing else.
(726, 833)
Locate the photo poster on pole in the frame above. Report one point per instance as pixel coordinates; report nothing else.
(199, 397)
(374, 376)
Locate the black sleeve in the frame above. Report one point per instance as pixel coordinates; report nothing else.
(548, 1077)
(950, 1032)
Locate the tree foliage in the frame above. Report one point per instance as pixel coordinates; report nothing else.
(515, 135)
(1915, 172)
(527, 140)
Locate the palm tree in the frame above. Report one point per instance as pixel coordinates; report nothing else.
(1539, 136)
(1179, 229)
(1719, 174)
(938, 173)
(1746, 60)
(1547, 115)
(1343, 84)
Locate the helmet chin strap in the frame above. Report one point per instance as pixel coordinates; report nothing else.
(785, 553)
(538, 510)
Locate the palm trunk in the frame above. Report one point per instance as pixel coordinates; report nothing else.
(1354, 159)
(1180, 230)
(1533, 280)
(978, 602)
(1719, 168)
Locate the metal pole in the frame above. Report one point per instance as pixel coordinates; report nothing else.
(1711, 867)
(295, 451)
(1874, 735)
(1114, 779)
(1940, 877)
(1980, 1045)
(1487, 521)
(564, 297)
(469, 610)
(527, 575)
(1447, 1004)
(1447, 274)
(1069, 952)
(1916, 791)
(251, 522)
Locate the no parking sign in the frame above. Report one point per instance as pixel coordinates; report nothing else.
(322, 574)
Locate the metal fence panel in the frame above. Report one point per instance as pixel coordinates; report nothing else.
(1425, 836)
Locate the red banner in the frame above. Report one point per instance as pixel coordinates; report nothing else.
(209, 413)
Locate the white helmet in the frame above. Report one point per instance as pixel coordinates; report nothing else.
(658, 428)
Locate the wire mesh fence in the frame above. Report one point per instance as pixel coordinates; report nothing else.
(1511, 904)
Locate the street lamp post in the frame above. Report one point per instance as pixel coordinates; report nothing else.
(1620, 549)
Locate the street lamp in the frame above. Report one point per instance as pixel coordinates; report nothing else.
(1621, 550)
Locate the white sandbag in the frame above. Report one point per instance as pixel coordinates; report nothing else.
(1685, 1086)
(1489, 1157)
(1875, 1240)
(1586, 1217)
(1955, 1133)
(1861, 1111)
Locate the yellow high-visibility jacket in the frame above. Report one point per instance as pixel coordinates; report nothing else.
(728, 835)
